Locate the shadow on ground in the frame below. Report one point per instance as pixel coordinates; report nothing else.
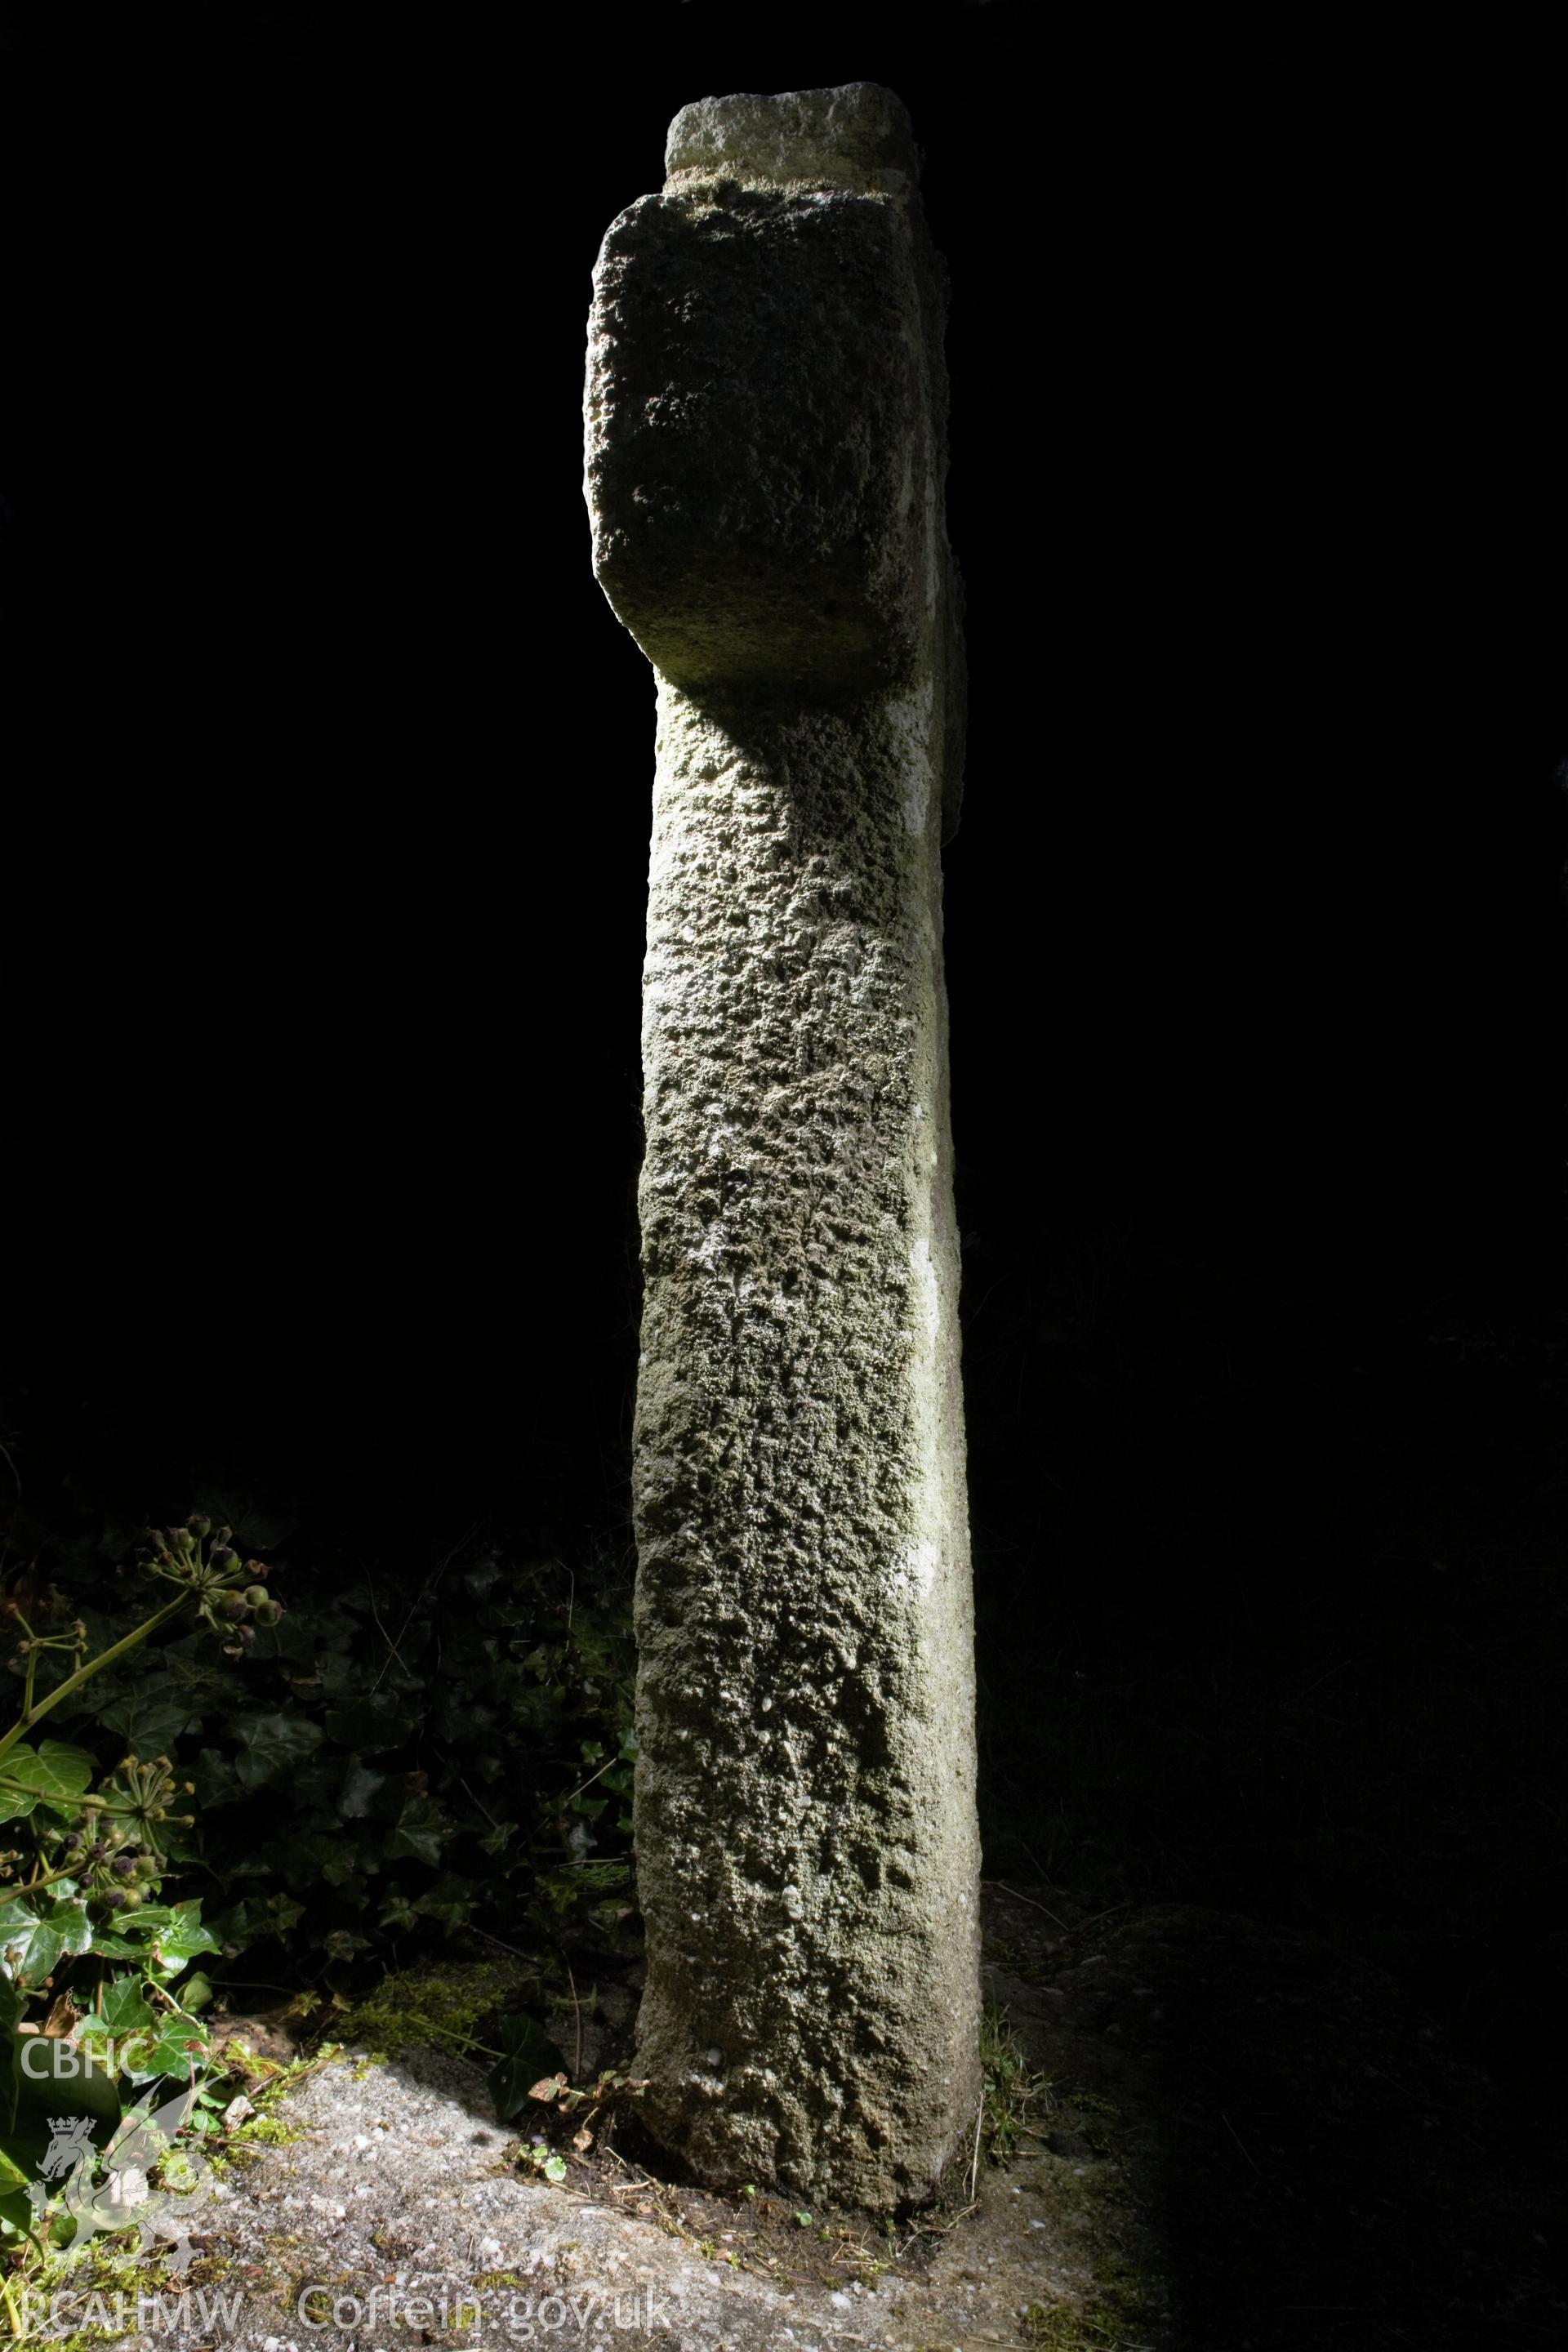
(1313, 2163)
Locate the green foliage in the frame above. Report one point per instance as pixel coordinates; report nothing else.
(527, 2053)
(358, 1790)
(85, 1872)
(1013, 2089)
(83, 1880)
(579, 2111)
(361, 1786)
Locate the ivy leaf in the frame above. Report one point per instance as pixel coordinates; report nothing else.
(68, 1917)
(457, 1717)
(160, 1939)
(313, 1787)
(418, 1830)
(151, 1721)
(452, 1900)
(275, 1746)
(185, 1936)
(32, 1941)
(216, 1781)
(292, 1637)
(360, 1785)
(53, 1774)
(527, 2053)
(180, 2044)
(317, 1857)
(126, 2010)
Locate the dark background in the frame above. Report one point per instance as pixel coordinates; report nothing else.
(327, 860)
(327, 814)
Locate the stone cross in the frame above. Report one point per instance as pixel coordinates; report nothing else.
(766, 451)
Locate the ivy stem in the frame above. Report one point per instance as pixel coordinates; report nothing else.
(31, 1886)
(32, 1715)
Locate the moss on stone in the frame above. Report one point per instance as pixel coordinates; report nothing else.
(269, 2129)
(420, 2007)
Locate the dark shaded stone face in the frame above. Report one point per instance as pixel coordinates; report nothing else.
(761, 434)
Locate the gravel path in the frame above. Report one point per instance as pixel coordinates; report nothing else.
(1249, 2141)
(402, 2207)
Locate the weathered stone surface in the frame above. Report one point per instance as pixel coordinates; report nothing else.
(765, 455)
(766, 413)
